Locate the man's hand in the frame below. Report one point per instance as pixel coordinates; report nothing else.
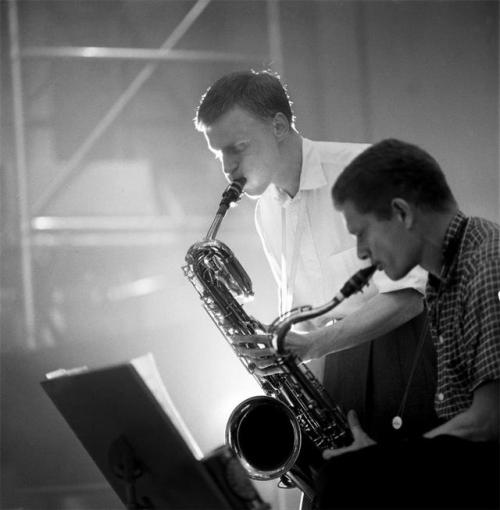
(258, 351)
(300, 344)
(361, 438)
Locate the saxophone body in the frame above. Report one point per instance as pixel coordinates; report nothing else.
(282, 433)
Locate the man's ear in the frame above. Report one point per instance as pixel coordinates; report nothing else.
(281, 126)
(403, 211)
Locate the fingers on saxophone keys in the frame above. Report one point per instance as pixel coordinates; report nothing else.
(248, 352)
(253, 340)
(264, 371)
(252, 346)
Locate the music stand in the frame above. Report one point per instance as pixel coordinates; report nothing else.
(133, 441)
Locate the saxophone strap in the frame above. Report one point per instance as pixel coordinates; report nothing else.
(397, 420)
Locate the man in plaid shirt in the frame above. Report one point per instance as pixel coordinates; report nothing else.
(396, 201)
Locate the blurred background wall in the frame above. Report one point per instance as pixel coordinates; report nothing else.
(104, 184)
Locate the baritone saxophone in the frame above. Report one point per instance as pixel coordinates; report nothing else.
(282, 433)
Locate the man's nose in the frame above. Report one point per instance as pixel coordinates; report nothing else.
(363, 252)
(229, 165)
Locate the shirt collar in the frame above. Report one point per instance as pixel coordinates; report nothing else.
(451, 243)
(312, 175)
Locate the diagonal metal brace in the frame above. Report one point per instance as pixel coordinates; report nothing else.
(68, 170)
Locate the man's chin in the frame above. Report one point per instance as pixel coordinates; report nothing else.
(252, 196)
(390, 273)
(253, 193)
(395, 275)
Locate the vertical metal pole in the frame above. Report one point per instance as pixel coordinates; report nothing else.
(22, 188)
(276, 56)
(274, 36)
(361, 28)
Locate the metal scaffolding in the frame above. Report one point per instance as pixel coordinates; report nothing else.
(31, 218)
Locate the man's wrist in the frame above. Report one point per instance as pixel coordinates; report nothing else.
(322, 342)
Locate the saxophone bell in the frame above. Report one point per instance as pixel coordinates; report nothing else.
(265, 436)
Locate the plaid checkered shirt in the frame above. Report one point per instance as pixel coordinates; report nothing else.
(464, 312)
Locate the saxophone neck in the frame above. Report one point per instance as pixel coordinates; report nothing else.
(214, 227)
(229, 198)
(282, 325)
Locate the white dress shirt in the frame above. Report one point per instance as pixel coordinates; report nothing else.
(320, 253)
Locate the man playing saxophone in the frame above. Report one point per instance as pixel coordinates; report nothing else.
(248, 123)
(398, 205)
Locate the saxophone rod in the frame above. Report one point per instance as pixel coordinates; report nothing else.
(353, 285)
(230, 196)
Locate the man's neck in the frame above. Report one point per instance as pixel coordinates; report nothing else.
(287, 178)
(434, 227)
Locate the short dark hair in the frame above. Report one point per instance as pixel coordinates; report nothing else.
(259, 92)
(390, 169)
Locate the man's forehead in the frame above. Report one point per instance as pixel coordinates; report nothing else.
(354, 220)
(220, 140)
(230, 128)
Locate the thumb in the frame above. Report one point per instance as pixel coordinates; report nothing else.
(353, 420)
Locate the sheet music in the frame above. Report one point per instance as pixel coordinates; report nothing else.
(146, 368)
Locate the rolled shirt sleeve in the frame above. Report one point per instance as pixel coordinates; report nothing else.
(415, 279)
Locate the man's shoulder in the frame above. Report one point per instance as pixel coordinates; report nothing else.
(337, 153)
(485, 228)
(482, 239)
(480, 252)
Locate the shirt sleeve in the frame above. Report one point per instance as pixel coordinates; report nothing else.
(482, 323)
(415, 279)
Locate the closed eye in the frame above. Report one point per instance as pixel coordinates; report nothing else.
(237, 148)
(359, 235)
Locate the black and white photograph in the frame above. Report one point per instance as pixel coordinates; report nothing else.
(249, 255)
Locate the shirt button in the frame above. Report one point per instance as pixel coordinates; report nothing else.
(440, 396)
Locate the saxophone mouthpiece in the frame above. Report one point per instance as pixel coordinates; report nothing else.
(231, 194)
(357, 281)
(234, 190)
(239, 183)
